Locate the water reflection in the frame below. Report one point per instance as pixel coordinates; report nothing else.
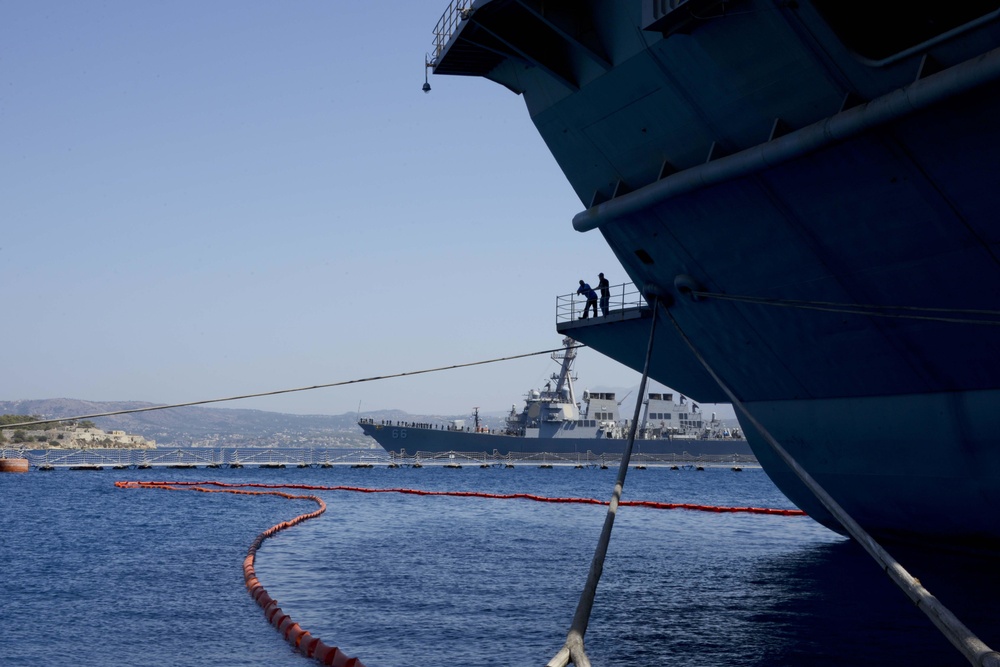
(829, 604)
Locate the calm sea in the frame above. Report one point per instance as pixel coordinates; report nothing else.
(95, 575)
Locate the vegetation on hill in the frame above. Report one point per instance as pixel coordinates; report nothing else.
(13, 420)
(20, 436)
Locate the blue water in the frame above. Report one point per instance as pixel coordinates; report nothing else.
(95, 575)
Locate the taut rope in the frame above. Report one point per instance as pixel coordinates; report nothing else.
(573, 649)
(285, 391)
(950, 315)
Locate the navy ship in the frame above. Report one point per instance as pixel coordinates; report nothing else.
(808, 189)
(552, 421)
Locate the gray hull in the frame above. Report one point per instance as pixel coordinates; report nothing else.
(395, 439)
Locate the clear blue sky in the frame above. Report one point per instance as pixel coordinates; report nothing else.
(200, 200)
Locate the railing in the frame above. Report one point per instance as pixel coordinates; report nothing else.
(625, 299)
(579, 460)
(458, 11)
(251, 457)
(195, 457)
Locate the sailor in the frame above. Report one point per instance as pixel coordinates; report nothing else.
(591, 297)
(605, 287)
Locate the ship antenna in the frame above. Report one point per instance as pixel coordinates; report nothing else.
(565, 378)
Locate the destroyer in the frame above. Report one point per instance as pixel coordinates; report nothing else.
(552, 422)
(809, 188)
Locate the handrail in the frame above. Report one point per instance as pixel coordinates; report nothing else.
(625, 297)
(447, 25)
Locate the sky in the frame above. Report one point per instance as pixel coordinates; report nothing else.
(202, 200)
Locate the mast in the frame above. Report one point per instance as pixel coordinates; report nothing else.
(565, 376)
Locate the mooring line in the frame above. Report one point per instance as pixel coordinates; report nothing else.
(573, 649)
(276, 392)
(927, 313)
(960, 636)
(301, 640)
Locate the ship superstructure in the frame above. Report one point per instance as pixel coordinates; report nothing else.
(553, 411)
(552, 421)
(663, 418)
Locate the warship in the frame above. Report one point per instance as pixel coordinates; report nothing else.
(552, 421)
(807, 190)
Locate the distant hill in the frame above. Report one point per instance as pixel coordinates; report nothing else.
(217, 427)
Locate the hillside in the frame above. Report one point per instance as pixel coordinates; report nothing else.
(217, 427)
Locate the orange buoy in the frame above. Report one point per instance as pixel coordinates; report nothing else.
(308, 645)
(283, 622)
(13, 465)
(324, 653)
(294, 634)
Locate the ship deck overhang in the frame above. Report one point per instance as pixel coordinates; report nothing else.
(624, 336)
(552, 36)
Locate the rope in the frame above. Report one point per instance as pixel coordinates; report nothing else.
(300, 639)
(896, 312)
(975, 651)
(289, 391)
(651, 504)
(573, 649)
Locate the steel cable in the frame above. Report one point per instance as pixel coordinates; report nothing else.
(288, 391)
(898, 312)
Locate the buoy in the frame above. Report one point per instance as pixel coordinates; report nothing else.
(308, 645)
(13, 465)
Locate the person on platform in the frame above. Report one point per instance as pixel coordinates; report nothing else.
(605, 287)
(591, 297)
